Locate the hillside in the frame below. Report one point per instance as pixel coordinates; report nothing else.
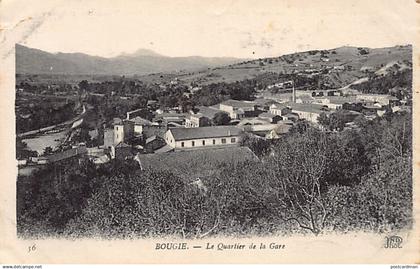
(34, 61)
(337, 67)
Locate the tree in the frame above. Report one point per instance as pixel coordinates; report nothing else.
(258, 145)
(221, 118)
(337, 121)
(84, 85)
(323, 120)
(297, 166)
(48, 150)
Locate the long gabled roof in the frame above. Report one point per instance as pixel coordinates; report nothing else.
(204, 132)
(239, 104)
(59, 156)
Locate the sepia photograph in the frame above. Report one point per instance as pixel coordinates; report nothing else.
(195, 121)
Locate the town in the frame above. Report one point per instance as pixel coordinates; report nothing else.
(289, 144)
(223, 125)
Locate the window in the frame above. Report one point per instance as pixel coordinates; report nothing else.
(193, 143)
(223, 140)
(233, 140)
(204, 142)
(182, 144)
(214, 141)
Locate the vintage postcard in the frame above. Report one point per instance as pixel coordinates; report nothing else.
(209, 131)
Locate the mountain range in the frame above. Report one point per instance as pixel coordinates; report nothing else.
(141, 62)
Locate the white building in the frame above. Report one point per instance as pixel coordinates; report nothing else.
(237, 109)
(196, 120)
(203, 137)
(309, 112)
(335, 102)
(139, 123)
(278, 109)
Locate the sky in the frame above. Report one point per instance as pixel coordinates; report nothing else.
(243, 29)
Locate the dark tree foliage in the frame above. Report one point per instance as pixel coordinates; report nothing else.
(221, 118)
(384, 83)
(43, 114)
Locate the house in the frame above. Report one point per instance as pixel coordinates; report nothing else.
(279, 109)
(260, 129)
(335, 102)
(165, 118)
(251, 121)
(278, 131)
(108, 138)
(136, 113)
(290, 117)
(121, 151)
(309, 112)
(196, 120)
(382, 99)
(63, 156)
(264, 103)
(139, 123)
(238, 109)
(203, 137)
(208, 112)
(272, 118)
(123, 130)
(153, 143)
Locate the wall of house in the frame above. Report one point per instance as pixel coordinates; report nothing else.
(208, 142)
(138, 129)
(226, 108)
(198, 143)
(309, 116)
(118, 134)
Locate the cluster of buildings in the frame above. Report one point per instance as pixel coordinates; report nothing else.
(172, 131)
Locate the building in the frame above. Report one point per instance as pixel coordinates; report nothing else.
(279, 109)
(238, 109)
(309, 112)
(251, 121)
(269, 117)
(153, 143)
(63, 155)
(196, 120)
(123, 130)
(208, 111)
(278, 131)
(121, 151)
(335, 102)
(382, 99)
(165, 118)
(203, 137)
(259, 129)
(136, 113)
(108, 138)
(139, 123)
